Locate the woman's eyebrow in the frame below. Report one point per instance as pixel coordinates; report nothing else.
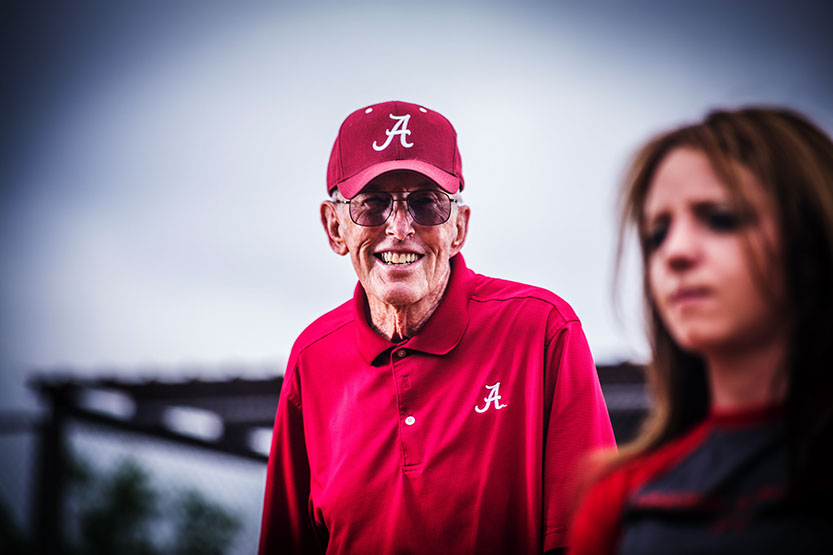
(650, 218)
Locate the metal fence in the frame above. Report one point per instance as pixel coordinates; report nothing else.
(159, 494)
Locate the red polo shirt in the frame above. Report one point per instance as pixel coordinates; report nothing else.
(461, 439)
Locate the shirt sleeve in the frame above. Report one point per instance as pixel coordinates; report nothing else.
(578, 423)
(286, 526)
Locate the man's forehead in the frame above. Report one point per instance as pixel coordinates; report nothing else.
(400, 181)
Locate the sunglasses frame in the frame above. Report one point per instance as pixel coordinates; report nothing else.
(407, 202)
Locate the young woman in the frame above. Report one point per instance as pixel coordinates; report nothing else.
(735, 220)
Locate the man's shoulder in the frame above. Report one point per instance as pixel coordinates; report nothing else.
(324, 326)
(489, 290)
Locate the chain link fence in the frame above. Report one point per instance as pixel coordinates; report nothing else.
(128, 493)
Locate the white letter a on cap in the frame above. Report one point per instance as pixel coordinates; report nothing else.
(400, 128)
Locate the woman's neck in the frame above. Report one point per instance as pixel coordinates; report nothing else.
(742, 378)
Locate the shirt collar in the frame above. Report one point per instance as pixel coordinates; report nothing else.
(440, 334)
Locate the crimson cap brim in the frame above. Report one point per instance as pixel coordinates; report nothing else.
(352, 186)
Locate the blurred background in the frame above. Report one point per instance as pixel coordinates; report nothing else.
(161, 168)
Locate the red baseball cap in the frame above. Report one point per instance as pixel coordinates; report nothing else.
(394, 136)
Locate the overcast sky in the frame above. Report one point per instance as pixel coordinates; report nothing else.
(163, 164)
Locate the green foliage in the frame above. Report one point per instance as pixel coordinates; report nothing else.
(119, 511)
(203, 528)
(120, 520)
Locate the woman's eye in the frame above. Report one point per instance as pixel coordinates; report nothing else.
(653, 237)
(722, 220)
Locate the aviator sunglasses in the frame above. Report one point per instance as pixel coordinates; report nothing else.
(427, 207)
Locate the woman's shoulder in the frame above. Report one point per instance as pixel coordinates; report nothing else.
(609, 468)
(636, 470)
(607, 481)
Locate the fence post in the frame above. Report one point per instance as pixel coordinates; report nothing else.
(49, 491)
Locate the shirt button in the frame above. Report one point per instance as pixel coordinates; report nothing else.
(410, 421)
(402, 353)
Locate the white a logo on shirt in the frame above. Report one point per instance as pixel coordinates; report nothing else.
(400, 128)
(493, 397)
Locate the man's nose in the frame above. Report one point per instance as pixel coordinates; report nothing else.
(400, 224)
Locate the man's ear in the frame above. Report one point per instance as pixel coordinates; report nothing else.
(332, 225)
(461, 227)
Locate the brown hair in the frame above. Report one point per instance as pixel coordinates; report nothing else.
(793, 160)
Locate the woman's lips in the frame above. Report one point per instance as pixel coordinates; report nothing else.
(689, 295)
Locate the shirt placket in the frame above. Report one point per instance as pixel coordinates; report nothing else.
(410, 420)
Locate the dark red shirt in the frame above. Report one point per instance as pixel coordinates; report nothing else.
(461, 439)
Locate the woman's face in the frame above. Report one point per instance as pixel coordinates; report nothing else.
(713, 267)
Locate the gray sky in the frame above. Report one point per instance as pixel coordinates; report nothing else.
(164, 163)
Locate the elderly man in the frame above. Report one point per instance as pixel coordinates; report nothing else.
(439, 410)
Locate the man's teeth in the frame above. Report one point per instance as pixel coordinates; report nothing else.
(399, 257)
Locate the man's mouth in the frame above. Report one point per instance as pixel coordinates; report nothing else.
(398, 258)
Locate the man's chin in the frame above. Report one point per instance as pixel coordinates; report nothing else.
(399, 295)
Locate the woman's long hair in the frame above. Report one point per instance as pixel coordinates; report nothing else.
(793, 161)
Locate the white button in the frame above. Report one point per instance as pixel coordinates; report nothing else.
(401, 353)
(410, 421)
(368, 110)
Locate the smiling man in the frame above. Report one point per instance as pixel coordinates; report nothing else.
(439, 410)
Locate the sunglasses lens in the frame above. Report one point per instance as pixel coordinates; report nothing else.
(370, 209)
(429, 207)
(426, 207)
